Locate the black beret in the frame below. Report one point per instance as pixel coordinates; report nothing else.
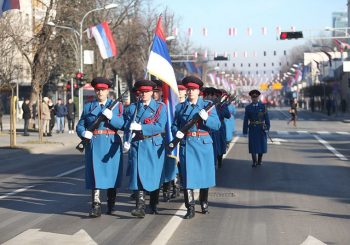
(254, 92)
(192, 81)
(101, 82)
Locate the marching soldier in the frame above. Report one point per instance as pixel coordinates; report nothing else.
(103, 155)
(196, 148)
(146, 155)
(256, 124)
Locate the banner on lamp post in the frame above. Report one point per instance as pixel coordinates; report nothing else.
(88, 57)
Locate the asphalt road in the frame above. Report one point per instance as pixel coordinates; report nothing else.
(300, 191)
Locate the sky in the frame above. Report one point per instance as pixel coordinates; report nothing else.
(218, 16)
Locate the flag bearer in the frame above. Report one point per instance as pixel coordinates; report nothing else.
(146, 154)
(196, 148)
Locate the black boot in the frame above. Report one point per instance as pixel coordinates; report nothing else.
(175, 189)
(139, 211)
(189, 203)
(153, 202)
(219, 161)
(260, 159)
(111, 195)
(203, 199)
(254, 161)
(96, 204)
(166, 192)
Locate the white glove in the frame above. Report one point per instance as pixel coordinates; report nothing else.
(203, 114)
(179, 135)
(126, 146)
(87, 134)
(134, 126)
(108, 113)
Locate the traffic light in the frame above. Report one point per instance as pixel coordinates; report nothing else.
(220, 57)
(79, 76)
(291, 35)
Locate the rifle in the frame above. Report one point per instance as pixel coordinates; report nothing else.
(81, 146)
(133, 120)
(193, 121)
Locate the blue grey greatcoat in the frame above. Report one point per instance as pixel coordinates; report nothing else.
(256, 118)
(223, 114)
(146, 156)
(196, 152)
(103, 155)
(230, 124)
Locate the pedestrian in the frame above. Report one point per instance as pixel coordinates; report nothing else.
(196, 147)
(60, 112)
(26, 116)
(1, 114)
(45, 117)
(256, 124)
(71, 110)
(52, 115)
(147, 153)
(293, 112)
(103, 152)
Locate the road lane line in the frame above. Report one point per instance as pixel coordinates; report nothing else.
(343, 133)
(169, 229)
(32, 186)
(331, 148)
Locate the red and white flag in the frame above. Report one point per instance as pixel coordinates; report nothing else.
(189, 32)
(249, 31)
(205, 31)
(205, 55)
(234, 54)
(175, 31)
(292, 28)
(264, 31)
(232, 31)
(278, 30)
(245, 54)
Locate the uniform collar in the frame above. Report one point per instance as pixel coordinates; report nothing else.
(199, 103)
(152, 105)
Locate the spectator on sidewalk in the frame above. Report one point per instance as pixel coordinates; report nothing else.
(61, 112)
(52, 115)
(1, 114)
(26, 116)
(293, 112)
(45, 117)
(71, 115)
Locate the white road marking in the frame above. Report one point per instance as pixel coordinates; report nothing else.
(331, 148)
(283, 132)
(323, 132)
(35, 236)
(310, 240)
(32, 186)
(169, 229)
(343, 133)
(302, 132)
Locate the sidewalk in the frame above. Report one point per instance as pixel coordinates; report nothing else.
(57, 142)
(344, 117)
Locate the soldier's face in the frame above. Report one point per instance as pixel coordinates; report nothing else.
(182, 95)
(254, 98)
(157, 95)
(101, 94)
(146, 95)
(192, 93)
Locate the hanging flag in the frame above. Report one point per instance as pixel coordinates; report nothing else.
(245, 54)
(8, 5)
(292, 28)
(205, 32)
(232, 31)
(159, 65)
(189, 31)
(104, 40)
(264, 31)
(278, 30)
(175, 31)
(341, 46)
(249, 31)
(205, 55)
(235, 54)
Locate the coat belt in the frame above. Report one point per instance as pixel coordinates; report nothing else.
(256, 122)
(139, 136)
(198, 133)
(104, 131)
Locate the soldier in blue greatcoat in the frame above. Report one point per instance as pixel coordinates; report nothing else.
(103, 153)
(256, 124)
(230, 123)
(146, 154)
(196, 147)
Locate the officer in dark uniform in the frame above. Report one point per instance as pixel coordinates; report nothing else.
(103, 155)
(146, 154)
(196, 147)
(256, 124)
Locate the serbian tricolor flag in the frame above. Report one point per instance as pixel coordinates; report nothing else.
(8, 4)
(341, 46)
(104, 39)
(159, 65)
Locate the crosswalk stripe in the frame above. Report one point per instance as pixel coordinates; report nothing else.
(283, 132)
(343, 133)
(323, 132)
(331, 148)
